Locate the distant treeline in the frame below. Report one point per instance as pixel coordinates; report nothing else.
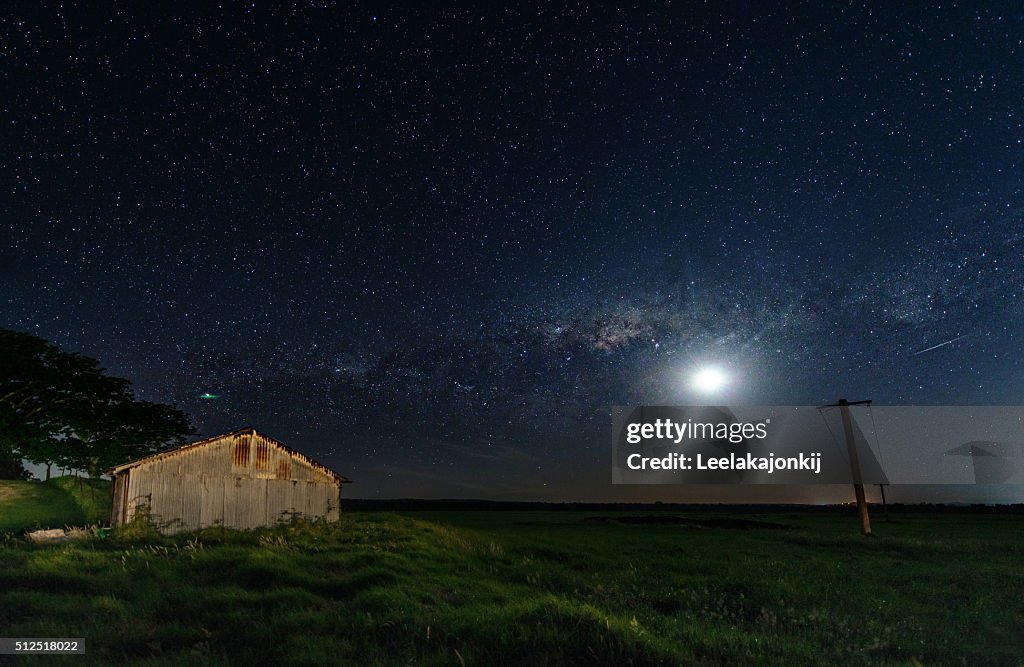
(414, 504)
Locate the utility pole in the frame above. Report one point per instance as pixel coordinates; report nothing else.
(851, 448)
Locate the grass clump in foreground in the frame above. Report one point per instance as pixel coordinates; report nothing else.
(536, 588)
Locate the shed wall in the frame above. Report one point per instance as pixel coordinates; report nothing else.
(243, 481)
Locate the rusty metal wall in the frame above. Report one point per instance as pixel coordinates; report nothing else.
(242, 481)
(117, 506)
(243, 455)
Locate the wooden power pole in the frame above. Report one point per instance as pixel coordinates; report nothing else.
(851, 447)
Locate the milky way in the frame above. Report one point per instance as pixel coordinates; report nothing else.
(433, 248)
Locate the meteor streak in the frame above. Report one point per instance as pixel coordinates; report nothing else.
(929, 349)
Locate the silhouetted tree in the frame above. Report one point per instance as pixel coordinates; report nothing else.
(61, 408)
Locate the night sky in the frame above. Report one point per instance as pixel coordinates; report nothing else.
(432, 248)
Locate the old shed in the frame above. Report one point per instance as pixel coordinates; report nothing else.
(242, 479)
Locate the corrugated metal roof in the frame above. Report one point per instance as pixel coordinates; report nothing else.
(316, 465)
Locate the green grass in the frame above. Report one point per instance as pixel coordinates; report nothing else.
(531, 588)
(56, 503)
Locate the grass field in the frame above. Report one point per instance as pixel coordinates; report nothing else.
(532, 588)
(53, 504)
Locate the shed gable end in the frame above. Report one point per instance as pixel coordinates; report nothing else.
(245, 455)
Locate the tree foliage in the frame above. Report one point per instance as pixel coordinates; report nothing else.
(61, 408)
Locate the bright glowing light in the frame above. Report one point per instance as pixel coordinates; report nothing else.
(709, 380)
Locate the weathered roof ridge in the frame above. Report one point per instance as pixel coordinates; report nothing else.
(316, 465)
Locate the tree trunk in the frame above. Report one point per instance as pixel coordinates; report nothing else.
(49, 464)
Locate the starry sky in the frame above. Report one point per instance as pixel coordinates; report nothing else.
(433, 247)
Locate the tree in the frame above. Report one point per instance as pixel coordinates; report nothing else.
(11, 468)
(10, 461)
(61, 408)
(10, 432)
(127, 431)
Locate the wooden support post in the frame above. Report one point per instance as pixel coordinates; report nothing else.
(858, 483)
